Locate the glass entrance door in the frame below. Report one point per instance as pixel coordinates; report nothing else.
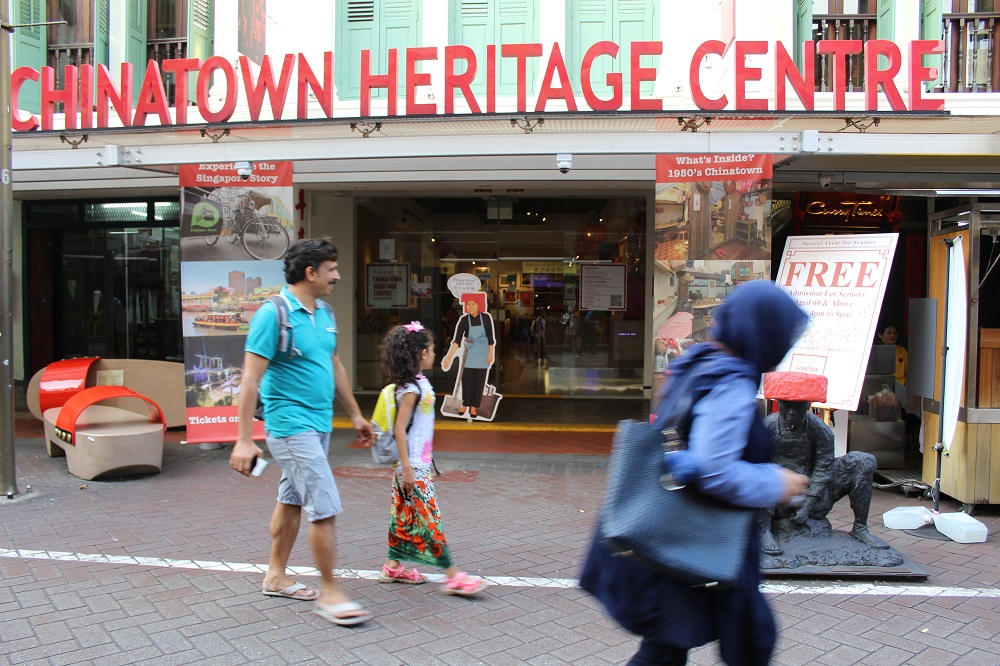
(528, 258)
(112, 285)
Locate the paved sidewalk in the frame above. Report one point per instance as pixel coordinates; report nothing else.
(165, 569)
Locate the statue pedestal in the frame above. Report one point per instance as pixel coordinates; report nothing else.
(814, 550)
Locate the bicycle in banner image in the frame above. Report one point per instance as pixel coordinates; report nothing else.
(246, 218)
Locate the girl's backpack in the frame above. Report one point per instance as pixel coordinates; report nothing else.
(385, 450)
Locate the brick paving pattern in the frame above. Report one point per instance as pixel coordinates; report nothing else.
(516, 515)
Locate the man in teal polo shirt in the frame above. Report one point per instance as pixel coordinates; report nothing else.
(297, 387)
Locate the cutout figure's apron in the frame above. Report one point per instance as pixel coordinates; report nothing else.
(477, 350)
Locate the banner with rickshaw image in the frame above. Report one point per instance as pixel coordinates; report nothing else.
(236, 227)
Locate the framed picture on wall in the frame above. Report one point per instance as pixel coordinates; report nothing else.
(525, 279)
(510, 296)
(525, 299)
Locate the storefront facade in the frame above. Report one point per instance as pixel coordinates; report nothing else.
(517, 148)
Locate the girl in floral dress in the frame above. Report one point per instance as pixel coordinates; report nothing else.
(415, 523)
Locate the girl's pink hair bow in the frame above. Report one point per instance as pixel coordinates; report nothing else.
(414, 327)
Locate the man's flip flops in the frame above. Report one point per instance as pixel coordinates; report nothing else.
(335, 613)
(291, 591)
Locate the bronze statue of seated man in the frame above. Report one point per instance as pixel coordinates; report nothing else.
(803, 443)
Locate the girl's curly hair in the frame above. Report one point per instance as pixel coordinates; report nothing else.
(401, 354)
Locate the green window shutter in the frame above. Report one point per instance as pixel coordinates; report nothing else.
(473, 24)
(375, 25)
(200, 37)
(588, 22)
(636, 21)
(515, 23)
(885, 25)
(803, 29)
(102, 30)
(885, 19)
(620, 21)
(931, 27)
(201, 29)
(30, 49)
(135, 43)
(356, 27)
(478, 23)
(400, 30)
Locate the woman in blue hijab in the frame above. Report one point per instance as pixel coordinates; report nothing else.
(728, 457)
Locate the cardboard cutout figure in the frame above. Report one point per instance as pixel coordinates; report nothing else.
(474, 342)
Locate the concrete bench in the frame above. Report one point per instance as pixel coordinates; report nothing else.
(162, 381)
(100, 441)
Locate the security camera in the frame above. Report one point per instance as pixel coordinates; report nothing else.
(244, 170)
(564, 162)
(825, 181)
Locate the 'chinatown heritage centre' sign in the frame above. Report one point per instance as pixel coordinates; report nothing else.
(87, 87)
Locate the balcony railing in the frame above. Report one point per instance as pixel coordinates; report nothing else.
(168, 49)
(842, 26)
(83, 54)
(970, 62)
(61, 55)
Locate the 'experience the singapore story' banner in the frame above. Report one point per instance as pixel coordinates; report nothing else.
(235, 230)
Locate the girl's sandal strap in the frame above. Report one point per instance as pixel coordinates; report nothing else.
(401, 575)
(464, 585)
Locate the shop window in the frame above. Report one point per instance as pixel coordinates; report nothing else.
(480, 23)
(375, 26)
(105, 213)
(527, 255)
(166, 211)
(167, 19)
(619, 21)
(103, 280)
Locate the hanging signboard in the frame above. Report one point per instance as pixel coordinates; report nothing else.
(602, 287)
(387, 286)
(844, 209)
(840, 281)
(251, 29)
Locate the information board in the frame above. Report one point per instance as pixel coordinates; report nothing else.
(602, 287)
(840, 281)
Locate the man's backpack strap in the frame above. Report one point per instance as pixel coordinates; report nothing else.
(333, 316)
(286, 338)
(286, 334)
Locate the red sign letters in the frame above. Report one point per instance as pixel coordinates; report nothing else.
(555, 85)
